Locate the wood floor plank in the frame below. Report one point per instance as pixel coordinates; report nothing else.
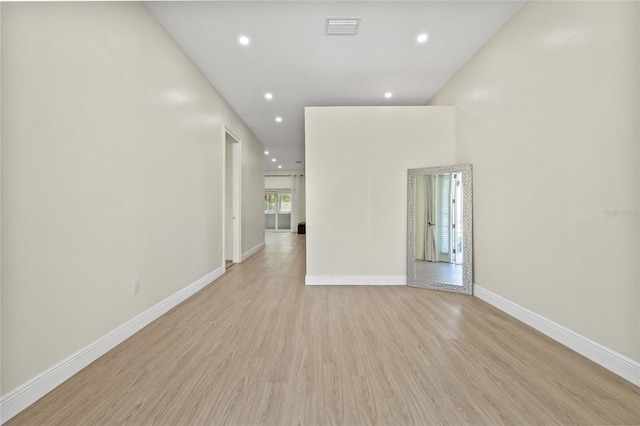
(257, 347)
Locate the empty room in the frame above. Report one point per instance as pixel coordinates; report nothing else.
(320, 213)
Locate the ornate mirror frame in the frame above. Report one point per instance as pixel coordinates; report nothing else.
(467, 230)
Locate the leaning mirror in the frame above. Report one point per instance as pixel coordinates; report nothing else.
(439, 228)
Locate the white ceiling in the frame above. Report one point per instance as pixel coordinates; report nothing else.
(290, 56)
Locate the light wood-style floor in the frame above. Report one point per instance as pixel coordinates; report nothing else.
(258, 347)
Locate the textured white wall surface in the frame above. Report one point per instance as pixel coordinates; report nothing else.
(548, 114)
(356, 181)
(112, 170)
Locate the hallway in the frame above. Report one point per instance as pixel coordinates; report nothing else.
(258, 347)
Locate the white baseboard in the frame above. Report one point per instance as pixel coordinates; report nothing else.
(613, 361)
(23, 396)
(247, 254)
(355, 280)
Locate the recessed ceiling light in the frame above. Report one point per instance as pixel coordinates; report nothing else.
(268, 96)
(388, 95)
(422, 38)
(279, 166)
(244, 40)
(279, 119)
(266, 153)
(274, 160)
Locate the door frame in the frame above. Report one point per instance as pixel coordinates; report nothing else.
(236, 158)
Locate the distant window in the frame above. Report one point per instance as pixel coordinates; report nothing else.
(285, 203)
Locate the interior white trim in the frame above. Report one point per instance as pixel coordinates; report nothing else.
(233, 135)
(237, 200)
(613, 361)
(247, 254)
(355, 280)
(29, 392)
(236, 158)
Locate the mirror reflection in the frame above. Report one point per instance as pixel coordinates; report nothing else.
(438, 228)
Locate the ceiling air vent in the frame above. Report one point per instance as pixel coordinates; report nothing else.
(342, 26)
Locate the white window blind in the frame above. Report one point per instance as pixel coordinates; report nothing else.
(277, 182)
(444, 212)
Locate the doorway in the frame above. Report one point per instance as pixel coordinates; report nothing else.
(232, 197)
(277, 211)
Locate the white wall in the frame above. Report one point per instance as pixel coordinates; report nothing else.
(548, 114)
(252, 200)
(277, 182)
(299, 184)
(0, 198)
(356, 187)
(112, 169)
